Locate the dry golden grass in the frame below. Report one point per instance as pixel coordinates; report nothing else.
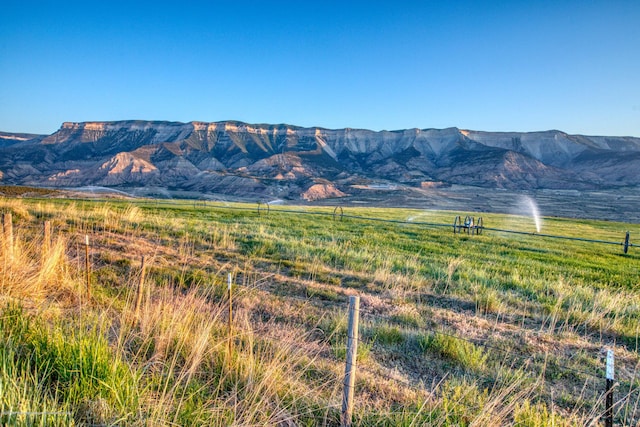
(283, 370)
(31, 274)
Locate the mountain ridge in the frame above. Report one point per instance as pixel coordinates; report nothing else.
(286, 161)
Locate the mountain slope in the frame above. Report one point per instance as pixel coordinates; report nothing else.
(7, 139)
(286, 161)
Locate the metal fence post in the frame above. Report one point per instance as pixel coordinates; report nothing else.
(608, 420)
(87, 267)
(350, 368)
(626, 243)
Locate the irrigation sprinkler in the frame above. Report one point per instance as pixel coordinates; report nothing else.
(625, 245)
(469, 225)
(263, 207)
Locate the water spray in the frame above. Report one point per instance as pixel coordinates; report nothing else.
(529, 206)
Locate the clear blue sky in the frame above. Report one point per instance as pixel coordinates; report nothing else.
(482, 65)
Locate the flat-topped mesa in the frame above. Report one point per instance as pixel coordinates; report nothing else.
(552, 147)
(281, 159)
(155, 131)
(121, 124)
(173, 131)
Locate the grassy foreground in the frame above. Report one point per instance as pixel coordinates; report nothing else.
(496, 329)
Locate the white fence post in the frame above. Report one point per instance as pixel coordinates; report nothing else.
(608, 418)
(87, 267)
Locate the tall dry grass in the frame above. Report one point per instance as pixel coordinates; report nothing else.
(170, 358)
(173, 366)
(34, 272)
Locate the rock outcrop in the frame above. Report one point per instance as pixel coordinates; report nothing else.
(291, 162)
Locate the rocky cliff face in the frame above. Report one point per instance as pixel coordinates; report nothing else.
(293, 162)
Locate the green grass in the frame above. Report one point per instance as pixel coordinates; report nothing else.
(461, 352)
(548, 304)
(63, 369)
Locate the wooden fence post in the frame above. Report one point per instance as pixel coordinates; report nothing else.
(140, 289)
(46, 239)
(608, 418)
(7, 227)
(230, 338)
(350, 367)
(87, 266)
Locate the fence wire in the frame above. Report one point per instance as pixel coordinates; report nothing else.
(213, 205)
(97, 243)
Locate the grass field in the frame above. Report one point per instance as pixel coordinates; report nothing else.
(491, 329)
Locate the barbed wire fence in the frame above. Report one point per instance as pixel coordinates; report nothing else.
(89, 237)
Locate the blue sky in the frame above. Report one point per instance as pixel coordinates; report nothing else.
(482, 65)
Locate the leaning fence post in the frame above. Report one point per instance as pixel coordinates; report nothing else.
(140, 287)
(7, 227)
(87, 266)
(608, 417)
(350, 368)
